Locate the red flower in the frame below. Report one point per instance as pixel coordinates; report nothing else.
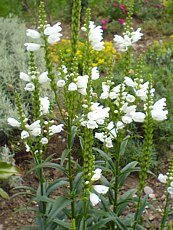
(115, 4)
(121, 21)
(122, 7)
(104, 27)
(104, 21)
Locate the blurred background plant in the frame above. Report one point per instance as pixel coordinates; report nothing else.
(9, 173)
(148, 9)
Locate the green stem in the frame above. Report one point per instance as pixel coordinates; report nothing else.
(137, 212)
(116, 187)
(84, 213)
(70, 173)
(165, 213)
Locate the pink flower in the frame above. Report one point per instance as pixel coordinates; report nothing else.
(121, 21)
(122, 7)
(104, 21)
(104, 27)
(115, 4)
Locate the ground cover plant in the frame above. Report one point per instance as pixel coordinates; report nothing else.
(99, 112)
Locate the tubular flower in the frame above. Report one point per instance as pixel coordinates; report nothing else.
(95, 36)
(124, 42)
(32, 33)
(53, 33)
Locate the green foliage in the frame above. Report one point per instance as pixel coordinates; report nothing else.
(8, 170)
(28, 9)
(149, 9)
(159, 61)
(10, 7)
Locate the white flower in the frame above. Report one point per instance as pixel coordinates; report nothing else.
(25, 77)
(96, 36)
(51, 30)
(82, 81)
(95, 73)
(94, 199)
(44, 105)
(102, 189)
(72, 86)
(100, 136)
(44, 140)
(126, 119)
(36, 132)
(113, 95)
(104, 95)
(55, 129)
(35, 124)
(53, 33)
(43, 78)
(130, 98)
(29, 87)
(160, 104)
(162, 178)
(159, 115)
(108, 142)
(142, 94)
(92, 124)
(24, 134)
(13, 122)
(32, 33)
(105, 87)
(52, 39)
(138, 116)
(125, 42)
(129, 82)
(61, 83)
(136, 35)
(97, 174)
(27, 148)
(120, 125)
(32, 47)
(170, 190)
(129, 109)
(122, 42)
(82, 91)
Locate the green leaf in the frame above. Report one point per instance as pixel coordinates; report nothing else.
(45, 199)
(64, 155)
(142, 207)
(81, 142)
(139, 227)
(26, 188)
(102, 223)
(58, 204)
(7, 170)
(106, 158)
(78, 182)
(3, 194)
(125, 172)
(62, 223)
(123, 146)
(73, 131)
(47, 165)
(56, 184)
(81, 224)
(124, 200)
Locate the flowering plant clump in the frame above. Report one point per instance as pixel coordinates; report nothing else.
(114, 16)
(98, 58)
(98, 113)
